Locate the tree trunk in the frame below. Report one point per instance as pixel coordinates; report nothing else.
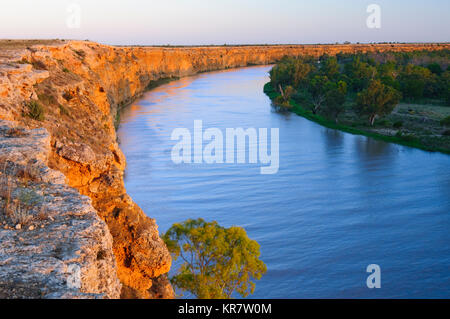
(281, 91)
(372, 119)
(316, 108)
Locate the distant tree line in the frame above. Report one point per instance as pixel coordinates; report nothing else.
(372, 83)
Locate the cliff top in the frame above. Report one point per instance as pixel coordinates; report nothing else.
(24, 43)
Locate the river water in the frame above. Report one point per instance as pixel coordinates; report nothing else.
(339, 202)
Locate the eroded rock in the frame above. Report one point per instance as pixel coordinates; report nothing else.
(65, 241)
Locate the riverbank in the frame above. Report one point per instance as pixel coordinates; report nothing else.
(405, 140)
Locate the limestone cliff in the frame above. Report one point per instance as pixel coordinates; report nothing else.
(79, 87)
(53, 244)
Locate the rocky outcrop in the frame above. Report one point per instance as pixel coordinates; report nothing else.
(79, 87)
(53, 243)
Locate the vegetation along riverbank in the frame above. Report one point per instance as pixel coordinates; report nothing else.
(400, 97)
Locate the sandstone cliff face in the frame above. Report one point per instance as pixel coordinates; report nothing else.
(81, 86)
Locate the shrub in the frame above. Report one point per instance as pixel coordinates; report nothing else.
(383, 122)
(80, 53)
(435, 68)
(409, 138)
(47, 99)
(36, 111)
(38, 65)
(398, 124)
(280, 101)
(406, 137)
(21, 215)
(15, 132)
(63, 110)
(67, 96)
(23, 61)
(445, 121)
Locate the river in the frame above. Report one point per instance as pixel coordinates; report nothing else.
(339, 202)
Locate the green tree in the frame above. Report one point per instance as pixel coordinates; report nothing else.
(444, 83)
(335, 99)
(300, 72)
(281, 75)
(414, 80)
(388, 74)
(287, 93)
(377, 100)
(217, 261)
(447, 96)
(318, 87)
(330, 67)
(435, 68)
(285, 97)
(290, 71)
(361, 74)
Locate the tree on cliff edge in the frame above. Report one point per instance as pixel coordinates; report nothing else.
(217, 261)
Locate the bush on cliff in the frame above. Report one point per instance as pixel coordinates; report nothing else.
(36, 111)
(217, 261)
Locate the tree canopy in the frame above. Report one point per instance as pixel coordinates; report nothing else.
(362, 91)
(312, 81)
(377, 100)
(217, 261)
(335, 99)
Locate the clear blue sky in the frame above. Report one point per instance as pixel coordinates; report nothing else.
(227, 21)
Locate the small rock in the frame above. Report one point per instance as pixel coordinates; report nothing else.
(31, 228)
(18, 226)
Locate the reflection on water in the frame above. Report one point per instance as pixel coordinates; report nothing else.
(339, 202)
(372, 148)
(333, 139)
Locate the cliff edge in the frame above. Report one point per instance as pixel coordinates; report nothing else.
(53, 243)
(66, 96)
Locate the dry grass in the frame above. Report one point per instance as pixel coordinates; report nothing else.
(5, 193)
(43, 214)
(21, 215)
(18, 209)
(16, 132)
(23, 44)
(15, 210)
